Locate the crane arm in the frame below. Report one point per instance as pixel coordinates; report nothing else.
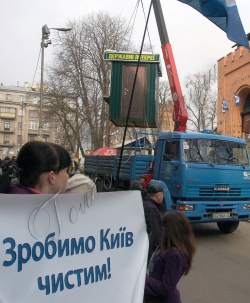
(180, 114)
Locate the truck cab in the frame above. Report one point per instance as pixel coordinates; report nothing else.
(206, 175)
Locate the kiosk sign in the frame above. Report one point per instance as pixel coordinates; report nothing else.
(123, 56)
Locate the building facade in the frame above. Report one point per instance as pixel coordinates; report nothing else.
(19, 118)
(165, 117)
(234, 85)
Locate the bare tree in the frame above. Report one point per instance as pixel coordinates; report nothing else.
(201, 103)
(165, 111)
(63, 110)
(80, 74)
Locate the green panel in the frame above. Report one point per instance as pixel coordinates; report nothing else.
(151, 102)
(115, 91)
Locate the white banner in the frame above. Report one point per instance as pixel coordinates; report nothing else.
(73, 248)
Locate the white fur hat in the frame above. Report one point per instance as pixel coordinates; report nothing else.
(80, 184)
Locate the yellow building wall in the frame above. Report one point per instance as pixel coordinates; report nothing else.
(233, 77)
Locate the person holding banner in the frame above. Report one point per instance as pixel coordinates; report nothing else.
(41, 168)
(171, 260)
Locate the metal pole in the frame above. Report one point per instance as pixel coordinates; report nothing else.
(45, 36)
(40, 128)
(130, 102)
(21, 143)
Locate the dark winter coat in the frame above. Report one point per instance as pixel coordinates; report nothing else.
(5, 164)
(11, 162)
(153, 213)
(16, 190)
(164, 273)
(137, 185)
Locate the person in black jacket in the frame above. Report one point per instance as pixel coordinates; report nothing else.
(5, 165)
(12, 161)
(138, 184)
(154, 211)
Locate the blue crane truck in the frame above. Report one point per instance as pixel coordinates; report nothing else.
(204, 175)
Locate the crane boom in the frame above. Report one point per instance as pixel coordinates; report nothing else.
(180, 114)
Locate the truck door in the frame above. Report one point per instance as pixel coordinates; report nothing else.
(169, 172)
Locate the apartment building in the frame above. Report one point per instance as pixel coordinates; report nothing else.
(19, 118)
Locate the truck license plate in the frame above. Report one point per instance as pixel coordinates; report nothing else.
(221, 216)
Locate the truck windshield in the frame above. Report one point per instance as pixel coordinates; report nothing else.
(215, 152)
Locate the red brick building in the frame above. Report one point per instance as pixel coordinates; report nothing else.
(234, 77)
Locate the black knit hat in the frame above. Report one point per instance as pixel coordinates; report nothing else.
(155, 188)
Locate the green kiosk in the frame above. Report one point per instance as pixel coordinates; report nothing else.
(144, 108)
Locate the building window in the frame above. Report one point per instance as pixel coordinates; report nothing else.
(10, 110)
(57, 128)
(21, 98)
(6, 125)
(20, 112)
(8, 97)
(20, 125)
(19, 139)
(32, 137)
(46, 125)
(46, 102)
(33, 99)
(33, 114)
(6, 139)
(33, 124)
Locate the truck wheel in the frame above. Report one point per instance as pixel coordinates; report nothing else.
(107, 183)
(228, 227)
(99, 184)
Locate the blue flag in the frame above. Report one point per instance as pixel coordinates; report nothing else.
(223, 13)
(237, 99)
(224, 106)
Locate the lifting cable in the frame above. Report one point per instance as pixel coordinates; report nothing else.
(147, 28)
(131, 99)
(133, 14)
(28, 95)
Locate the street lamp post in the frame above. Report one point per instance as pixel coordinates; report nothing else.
(22, 115)
(45, 43)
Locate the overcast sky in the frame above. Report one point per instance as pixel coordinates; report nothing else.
(196, 42)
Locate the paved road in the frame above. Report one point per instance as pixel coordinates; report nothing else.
(221, 268)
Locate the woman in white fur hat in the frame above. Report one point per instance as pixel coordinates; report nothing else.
(78, 184)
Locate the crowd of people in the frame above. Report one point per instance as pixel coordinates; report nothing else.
(6, 163)
(171, 245)
(42, 168)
